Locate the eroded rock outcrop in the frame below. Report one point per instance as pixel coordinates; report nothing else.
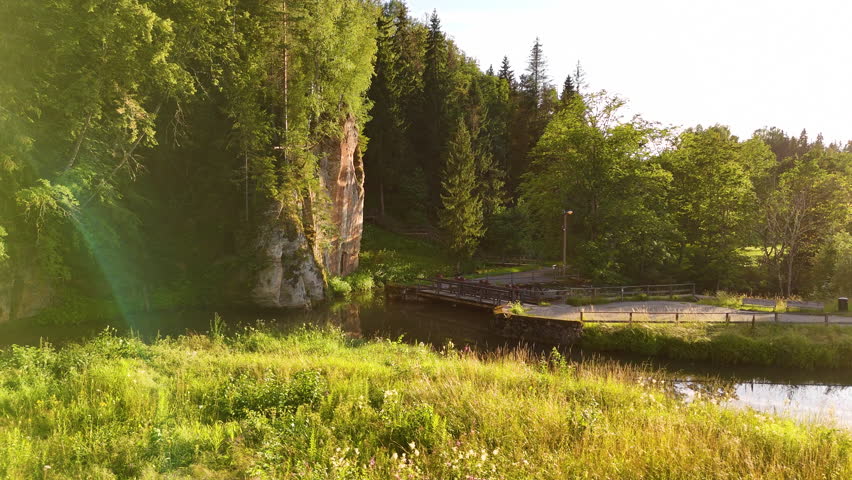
(296, 252)
(342, 174)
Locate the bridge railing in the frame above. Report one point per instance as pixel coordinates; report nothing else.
(483, 293)
(495, 294)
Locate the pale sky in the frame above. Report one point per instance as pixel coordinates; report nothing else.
(746, 64)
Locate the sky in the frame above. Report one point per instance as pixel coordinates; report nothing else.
(747, 64)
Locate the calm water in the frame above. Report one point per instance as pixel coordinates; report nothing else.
(824, 396)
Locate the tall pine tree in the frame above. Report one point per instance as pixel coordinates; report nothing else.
(434, 113)
(461, 216)
(568, 91)
(506, 72)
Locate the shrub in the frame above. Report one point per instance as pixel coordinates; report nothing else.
(361, 282)
(516, 308)
(267, 395)
(339, 287)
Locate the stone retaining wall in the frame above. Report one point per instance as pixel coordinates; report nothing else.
(536, 329)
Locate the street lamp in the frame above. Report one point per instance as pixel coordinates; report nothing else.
(565, 214)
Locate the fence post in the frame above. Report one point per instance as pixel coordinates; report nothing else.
(753, 315)
(826, 319)
(727, 318)
(677, 317)
(693, 289)
(581, 315)
(776, 317)
(671, 291)
(622, 294)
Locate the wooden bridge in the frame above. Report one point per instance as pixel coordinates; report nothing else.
(477, 294)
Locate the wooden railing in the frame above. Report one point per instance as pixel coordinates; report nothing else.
(665, 290)
(753, 318)
(493, 294)
(482, 293)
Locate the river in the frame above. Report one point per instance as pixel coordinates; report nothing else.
(822, 396)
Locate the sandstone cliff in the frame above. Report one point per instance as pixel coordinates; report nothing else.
(295, 252)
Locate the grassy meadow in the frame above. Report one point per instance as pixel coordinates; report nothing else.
(766, 344)
(318, 405)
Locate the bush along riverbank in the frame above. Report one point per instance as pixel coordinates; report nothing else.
(317, 405)
(794, 346)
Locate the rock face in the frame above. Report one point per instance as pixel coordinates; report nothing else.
(289, 274)
(342, 174)
(296, 253)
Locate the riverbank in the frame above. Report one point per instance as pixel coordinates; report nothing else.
(313, 404)
(765, 344)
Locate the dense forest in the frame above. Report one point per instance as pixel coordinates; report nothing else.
(492, 159)
(165, 152)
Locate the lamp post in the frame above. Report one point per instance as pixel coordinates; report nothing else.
(565, 214)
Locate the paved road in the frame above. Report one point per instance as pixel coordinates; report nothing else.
(664, 311)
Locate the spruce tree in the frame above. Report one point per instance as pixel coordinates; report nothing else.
(434, 112)
(536, 81)
(579, 78)
(384, 130)
(506, 72)
(568, 90)
(461, 217)
(485, 135)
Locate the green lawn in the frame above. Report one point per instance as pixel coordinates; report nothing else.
(316, 405)
(395, 258)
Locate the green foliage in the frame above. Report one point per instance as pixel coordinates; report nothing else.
(833, 266)
(395, 258)
(808, 206)
(3, 254)
(217, 328)
(806, 347)
(267, 396)
(517, 308)
(361, 281)
(725, 298)
(72, 308)
(713, 195)
(311, 404)
(339, 287)
(591, 161)
(202, 110)
(461, 216)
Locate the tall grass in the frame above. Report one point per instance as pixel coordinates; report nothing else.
(317, 405)
(796, 346)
